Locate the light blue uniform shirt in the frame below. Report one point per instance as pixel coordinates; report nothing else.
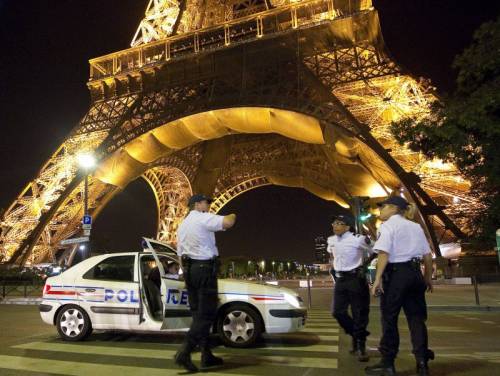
(196, 235)
(402, 239)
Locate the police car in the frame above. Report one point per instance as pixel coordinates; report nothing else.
(119, 292)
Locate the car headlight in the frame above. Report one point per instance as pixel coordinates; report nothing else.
(293, 300)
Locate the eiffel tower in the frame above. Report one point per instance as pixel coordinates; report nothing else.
(222, 97)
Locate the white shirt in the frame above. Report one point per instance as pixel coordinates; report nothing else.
(402, 239)
(195, 235)
(347, 250)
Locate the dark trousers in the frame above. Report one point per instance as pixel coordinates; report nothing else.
(404, 287)
(201, 283)
(352, 291)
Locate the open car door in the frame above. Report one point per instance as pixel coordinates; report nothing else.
(174, 296)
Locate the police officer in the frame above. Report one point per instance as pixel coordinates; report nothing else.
(351, 288)
(199, 256)
(401, 245)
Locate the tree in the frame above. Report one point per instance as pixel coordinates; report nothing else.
(464, 127)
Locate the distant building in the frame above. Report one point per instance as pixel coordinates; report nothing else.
(321, 255)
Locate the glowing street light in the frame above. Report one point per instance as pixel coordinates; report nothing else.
(86, 161)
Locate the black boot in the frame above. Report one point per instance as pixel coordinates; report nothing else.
(354, 346)
(183, 358)
(209, 360)
(422, 368)
(383, 368)
(361, 351)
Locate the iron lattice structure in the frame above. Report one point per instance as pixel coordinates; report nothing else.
(223, 97)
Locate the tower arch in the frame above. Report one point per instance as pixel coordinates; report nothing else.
(303, 80)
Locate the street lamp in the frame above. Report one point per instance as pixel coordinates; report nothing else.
(87, 163)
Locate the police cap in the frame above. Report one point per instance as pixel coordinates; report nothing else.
(344, 218)
(399, 201)
(198, 198)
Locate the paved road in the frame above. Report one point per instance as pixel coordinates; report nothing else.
(466, 344)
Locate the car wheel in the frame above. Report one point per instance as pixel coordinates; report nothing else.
(73, 323)
(239, 326)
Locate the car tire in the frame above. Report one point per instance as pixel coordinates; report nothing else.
(73, 323)
(239, 325)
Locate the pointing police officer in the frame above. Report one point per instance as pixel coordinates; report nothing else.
(199, 255)
(401, 245)
(351, 288)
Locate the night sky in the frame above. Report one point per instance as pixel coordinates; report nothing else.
(46, 45)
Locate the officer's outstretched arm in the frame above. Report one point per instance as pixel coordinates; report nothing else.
(229, 221)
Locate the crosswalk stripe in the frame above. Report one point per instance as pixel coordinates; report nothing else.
(62, 367)
(324, 330)
(321, 326)
(320, 319)
(174, 347)
(311, 348)
(312, 362)
(321, 322)
(298, 336)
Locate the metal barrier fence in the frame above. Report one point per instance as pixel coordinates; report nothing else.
(20, 289)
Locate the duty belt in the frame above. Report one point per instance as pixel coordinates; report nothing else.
(349, 273)
(186, 259)
(414, 263)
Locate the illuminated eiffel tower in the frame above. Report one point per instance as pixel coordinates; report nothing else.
(222, 97)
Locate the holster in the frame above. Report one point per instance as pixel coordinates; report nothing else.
(215, 266)
(415, 264)
(186, 264)
(361, 273)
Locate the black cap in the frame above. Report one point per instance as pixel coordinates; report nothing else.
(199, 198)
(345, 218)
(399, 201)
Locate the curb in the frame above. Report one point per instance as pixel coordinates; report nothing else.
(464, 308)
(21, 301)
(450, 308)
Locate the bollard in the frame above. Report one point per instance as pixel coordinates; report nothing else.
(476, 290)
(309, 300)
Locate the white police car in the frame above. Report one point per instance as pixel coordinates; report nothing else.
(118, 292)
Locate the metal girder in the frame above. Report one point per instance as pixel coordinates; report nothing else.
(172, 190)
(348, 84)
(230, 193)
(51, 195)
